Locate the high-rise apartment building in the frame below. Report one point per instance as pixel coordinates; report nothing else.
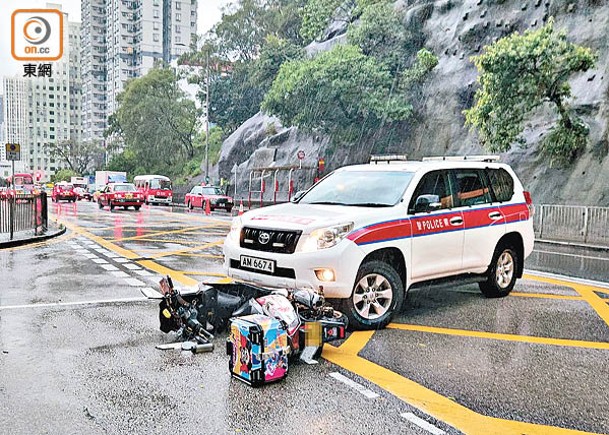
(50, 106)
(179, 24)
(93, 68)
(16, 122)
(124, 39)
(75, 85)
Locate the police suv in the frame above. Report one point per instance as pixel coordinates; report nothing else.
(366, 233)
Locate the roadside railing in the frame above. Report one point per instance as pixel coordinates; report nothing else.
(570, 223)
(23, 212)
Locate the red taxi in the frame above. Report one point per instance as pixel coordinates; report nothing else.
(199, 194)
(120, 195)
(63, 191)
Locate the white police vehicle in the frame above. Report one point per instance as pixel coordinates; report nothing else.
(366, 233)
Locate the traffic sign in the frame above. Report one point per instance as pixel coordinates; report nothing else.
(13, 151)
(301, 154)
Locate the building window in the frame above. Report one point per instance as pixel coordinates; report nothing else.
(178, 38)
(178, 6)
(178, 29)
(155, 37)
(155, 13)
(178, 17)
(155, 25)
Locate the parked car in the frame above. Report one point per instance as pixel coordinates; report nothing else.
(120, 195)
(199, 194)
(63, 191)
(368, 233)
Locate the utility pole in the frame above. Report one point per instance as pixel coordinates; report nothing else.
(207, 119)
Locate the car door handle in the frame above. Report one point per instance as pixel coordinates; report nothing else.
(456, 221)
(494, 215)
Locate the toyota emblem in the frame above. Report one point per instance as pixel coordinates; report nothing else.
(264, 238)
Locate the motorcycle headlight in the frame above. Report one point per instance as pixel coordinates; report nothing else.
(323, 238)
(235, 229)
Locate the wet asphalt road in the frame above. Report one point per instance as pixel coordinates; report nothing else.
(77, 346)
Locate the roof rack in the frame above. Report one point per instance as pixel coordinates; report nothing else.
(488, 158)
(387, 158)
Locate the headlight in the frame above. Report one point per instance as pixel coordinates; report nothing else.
(323, 238)
(235, 229)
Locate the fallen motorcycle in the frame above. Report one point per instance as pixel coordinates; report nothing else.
(266, 327)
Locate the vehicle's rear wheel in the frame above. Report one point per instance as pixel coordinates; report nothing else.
(501, 275)
(377, 294)
(228, 209)
(125, 207)
(136, 207)
(99, 203)
(111, 205)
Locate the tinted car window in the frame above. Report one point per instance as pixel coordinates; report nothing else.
(501, 183)
(471, 188)
(432, 188)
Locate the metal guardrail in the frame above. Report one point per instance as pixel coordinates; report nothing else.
(569, 223)
(23, 212)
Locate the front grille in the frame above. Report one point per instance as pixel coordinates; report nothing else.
(278, 241)
(283, 272)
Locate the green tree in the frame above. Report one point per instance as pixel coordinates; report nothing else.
(157, 122)
(317, 14)
(81, 157)
(380, 33)
(520, 73)
(64, 175)
(341, 92)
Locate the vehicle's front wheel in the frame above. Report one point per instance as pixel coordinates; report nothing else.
(99, 203)
(136, 207)
(189, 205)
(377, 294)
(111, 205)
(228, 209)
(501, 275)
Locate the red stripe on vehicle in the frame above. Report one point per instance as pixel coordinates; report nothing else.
(434, 224)
(385, 231)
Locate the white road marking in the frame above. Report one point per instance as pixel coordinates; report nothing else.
(587, 257)
(568, 278)
(99, 260)
(68, 304)
(134, 282)
(121, 260)
(109, 267)
(131, 266)
(81, 251)
(120, 274)
(90, 256)
(143, 273)
(422, 423)
(358, 387)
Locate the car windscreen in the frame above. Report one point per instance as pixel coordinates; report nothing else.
(124, 188)
(160, 184)
(360, 188)
(211, 191)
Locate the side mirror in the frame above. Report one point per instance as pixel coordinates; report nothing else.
(427, 203)
(297, 196)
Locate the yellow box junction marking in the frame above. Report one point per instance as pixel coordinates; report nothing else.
(428, 401)
(148, 264)
(503, 337)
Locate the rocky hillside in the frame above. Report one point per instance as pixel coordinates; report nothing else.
(454, 31)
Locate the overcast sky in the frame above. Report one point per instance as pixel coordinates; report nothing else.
(208, 14)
